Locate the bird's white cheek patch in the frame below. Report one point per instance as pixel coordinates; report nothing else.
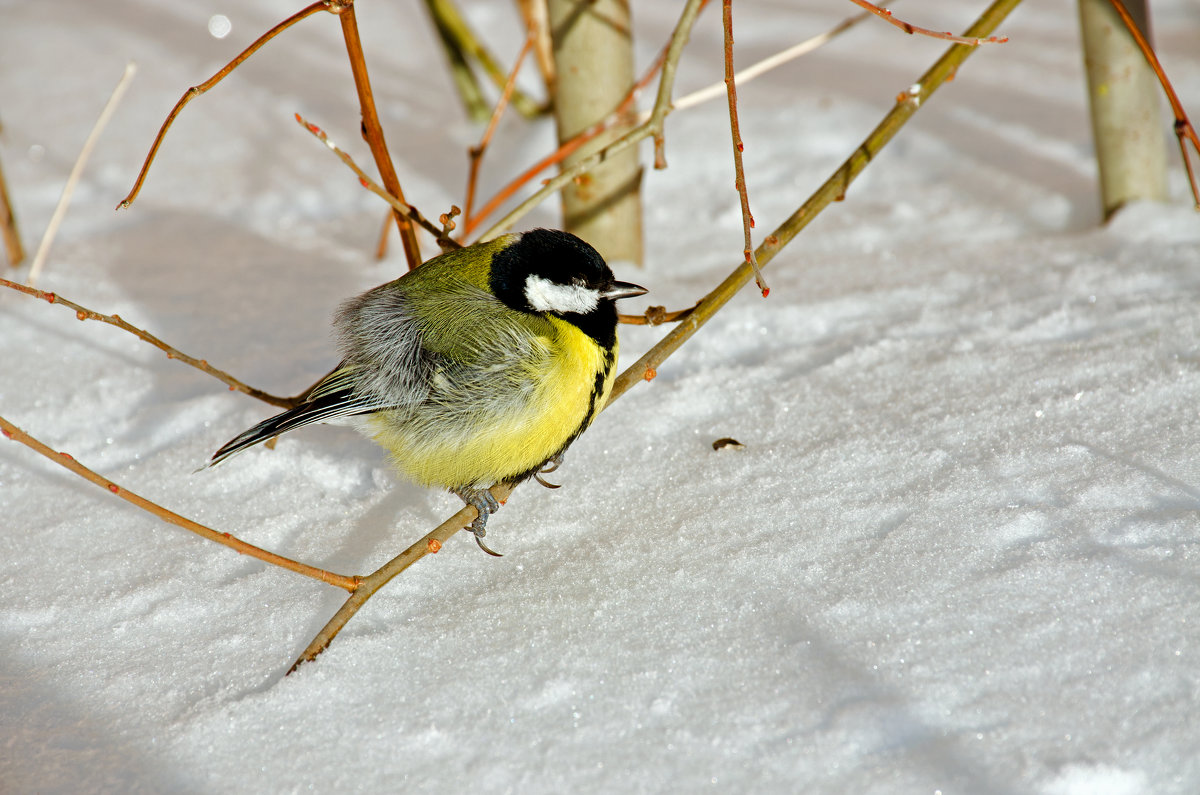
(547, 296)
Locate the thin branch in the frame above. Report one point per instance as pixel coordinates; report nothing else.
(738, 146)
(372, 129)
(690, 100)
(538, 23)
(83, 313)
(469, 90)
(775, 61)
(833, 189)
(651, 128)
(886, 16)
(196, 91)
(1184, 131)
(476, 152)
(8, 226)
(11, 431)
(399, 206)
(656, 316)
(457, 35)
(369, 585)
(64, 201)
(618, 116)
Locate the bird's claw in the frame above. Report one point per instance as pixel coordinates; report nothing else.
(546, 469)
(485, 504)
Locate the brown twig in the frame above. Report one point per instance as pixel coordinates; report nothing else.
(887, 16)
(372, 130)
(1184, 131)
(8, 226)
(767, 64)
(651, 128)
(476, 152)
(369, 585)
(656, 316)
(618, 116)
(196, 91)
(537, 22)
(83, 313)
(738, 146)
(399, 206)
(687, 101)
(225, 539)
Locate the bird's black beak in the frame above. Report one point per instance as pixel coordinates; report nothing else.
(623, 290)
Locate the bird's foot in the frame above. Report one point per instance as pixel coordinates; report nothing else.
(483, 502)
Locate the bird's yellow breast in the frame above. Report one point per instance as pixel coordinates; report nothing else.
(545, 405)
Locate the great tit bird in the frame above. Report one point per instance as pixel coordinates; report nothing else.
(479, 367)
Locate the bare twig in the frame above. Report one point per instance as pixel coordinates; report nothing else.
(656, 316)
(369, 585)
(476, 152)
(372, 130)
(652, 128)
(886, 16)
(83, 313)
(767, 64)
(538, 23)
(690, 100)
(469, 90)
(8, 226)
(458, 37)
(225, 539)
(618, 116)
(399, 207)
(1184, 131)
(64, 201)
(735, 131)
(196, 91)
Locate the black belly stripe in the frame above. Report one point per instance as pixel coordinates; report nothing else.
(592, 410)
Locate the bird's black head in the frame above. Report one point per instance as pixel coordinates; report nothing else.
(548, 271)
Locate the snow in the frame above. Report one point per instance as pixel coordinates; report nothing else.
(958, 552)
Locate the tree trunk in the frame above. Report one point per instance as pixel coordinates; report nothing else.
(593, 53)
(1127, 126)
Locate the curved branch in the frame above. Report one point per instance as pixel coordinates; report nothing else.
(83, 313)
(431, 543)
(196, 91)
(11, 431)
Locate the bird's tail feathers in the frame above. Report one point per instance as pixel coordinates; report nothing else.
(328, 406)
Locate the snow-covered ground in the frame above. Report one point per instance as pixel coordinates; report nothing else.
(959, 552)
